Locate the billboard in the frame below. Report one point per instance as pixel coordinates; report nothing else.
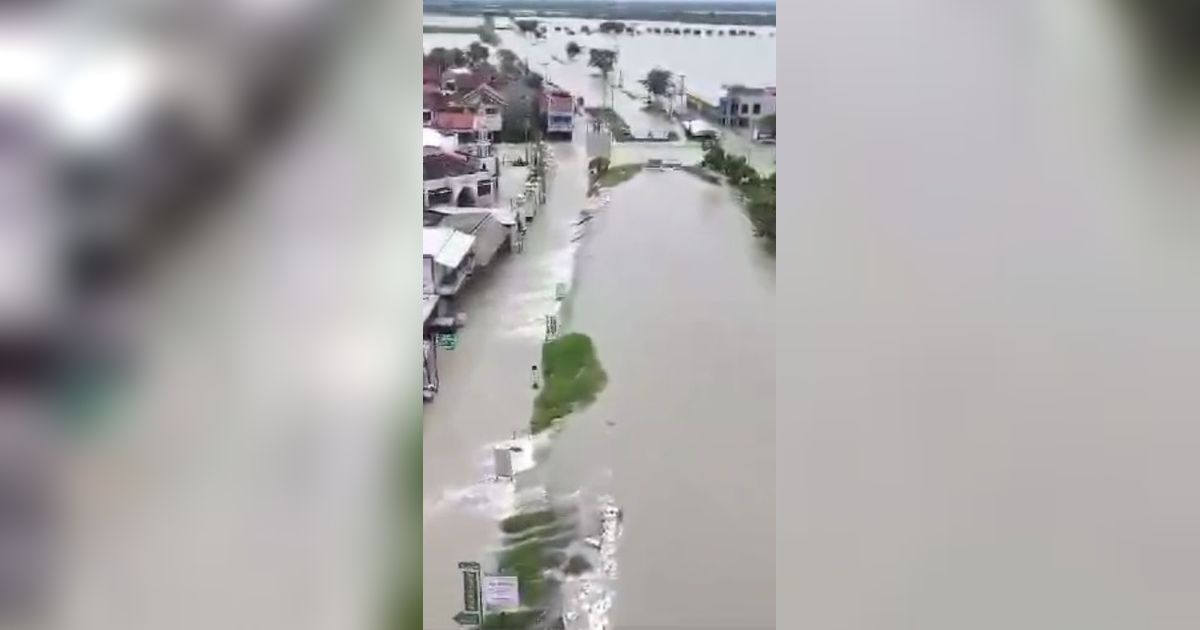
(501, 593)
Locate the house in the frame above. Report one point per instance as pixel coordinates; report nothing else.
(460, 121)
(433, 99)
(493, 228)
(489, 103)
(452, 178)
(742, 106)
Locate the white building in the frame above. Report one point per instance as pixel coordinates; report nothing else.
(743, 106)
(455, 179)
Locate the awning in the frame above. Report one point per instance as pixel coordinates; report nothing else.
(447, 247)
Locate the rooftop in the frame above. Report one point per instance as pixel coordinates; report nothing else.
(436, 165)
(446, 246)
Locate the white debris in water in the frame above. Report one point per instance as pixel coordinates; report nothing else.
(594, 593)
(492, 497)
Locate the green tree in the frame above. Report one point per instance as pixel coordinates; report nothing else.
(658, 82)
(604, 59)
(478, 53)
(573, 49)
(510, 64)
(527, 26)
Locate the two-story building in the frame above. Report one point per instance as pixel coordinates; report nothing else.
(489, 104)
(743, 106)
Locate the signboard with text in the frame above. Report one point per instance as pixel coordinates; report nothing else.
(501, 593)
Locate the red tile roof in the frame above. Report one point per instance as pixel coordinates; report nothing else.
(440, 164)
(454, 120)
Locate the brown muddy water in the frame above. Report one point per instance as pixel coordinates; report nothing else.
(679, 298)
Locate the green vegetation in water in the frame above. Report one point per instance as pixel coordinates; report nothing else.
(577, 565)
(517, 620)
(544, 535)
(610, 176)
(518, 523)
(571, 378)
(758, 192)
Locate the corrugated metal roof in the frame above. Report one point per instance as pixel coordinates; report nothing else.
(447, 247)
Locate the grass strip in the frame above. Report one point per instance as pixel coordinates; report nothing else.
(572, 377)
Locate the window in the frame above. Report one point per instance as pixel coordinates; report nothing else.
(758, 108)
(484, 188)
(427, 116)
(745, 108)
(491, 111)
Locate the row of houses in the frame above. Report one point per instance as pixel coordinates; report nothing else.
(469, 222)
(471, 102)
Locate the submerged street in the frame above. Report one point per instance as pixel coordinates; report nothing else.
(679, 297)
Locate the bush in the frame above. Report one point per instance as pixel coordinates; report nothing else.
(571, 379)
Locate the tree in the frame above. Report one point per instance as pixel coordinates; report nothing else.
(449, 57)
(527, 26)
(658, 82)
(534, 80)
(612, 27)
(510, 64)
(478, 53)
(604, 59)
(585, 30)
(573, 49)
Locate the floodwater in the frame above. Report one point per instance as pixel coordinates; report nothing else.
(679, 299)
(703, 63)
(678, 295)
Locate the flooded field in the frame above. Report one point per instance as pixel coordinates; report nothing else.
(703, 62)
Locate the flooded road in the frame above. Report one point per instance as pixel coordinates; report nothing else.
(678, 296)
(485, 392)
(679, 299)
(682, 440)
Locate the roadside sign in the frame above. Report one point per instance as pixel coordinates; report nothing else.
(471, 593)
(560, 290)
(501, 593)
(447, 340)
(551, 326)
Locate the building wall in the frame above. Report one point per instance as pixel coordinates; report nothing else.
(427, 275)
(732, 104)
(456, 184)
